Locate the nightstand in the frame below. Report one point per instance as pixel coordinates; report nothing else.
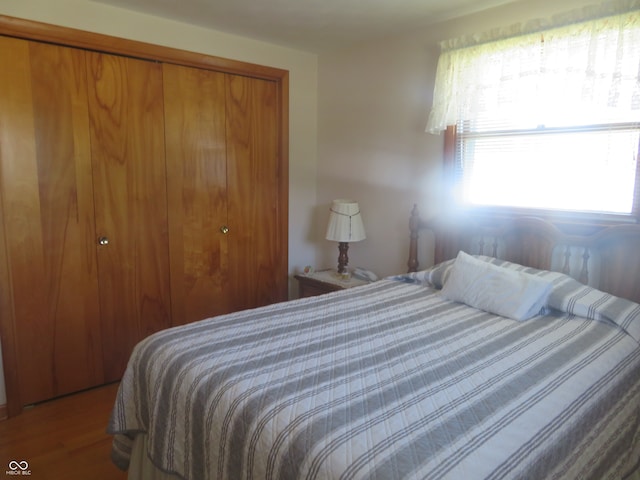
(324, 281)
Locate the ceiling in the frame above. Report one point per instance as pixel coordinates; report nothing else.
(310, 25)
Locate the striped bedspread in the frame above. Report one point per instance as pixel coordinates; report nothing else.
(389, 381)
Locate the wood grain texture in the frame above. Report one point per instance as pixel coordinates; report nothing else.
(619, 247)
(17, 137)
(224, 166)
(67, 222)
(64, 438)
(533, 241)
(48, 212)
(197, 192)
(258, 249)
(127, 151)
(12, 80)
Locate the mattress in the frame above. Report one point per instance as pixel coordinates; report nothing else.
(389, 381)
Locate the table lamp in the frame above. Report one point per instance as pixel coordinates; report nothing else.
(345, 225)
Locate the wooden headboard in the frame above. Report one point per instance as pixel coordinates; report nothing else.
(607, 258)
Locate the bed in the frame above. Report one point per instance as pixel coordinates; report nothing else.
(396, 380)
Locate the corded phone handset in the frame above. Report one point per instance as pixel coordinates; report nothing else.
(363, 274)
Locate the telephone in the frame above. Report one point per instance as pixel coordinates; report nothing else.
(363, 274)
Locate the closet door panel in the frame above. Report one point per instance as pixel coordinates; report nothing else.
(66, 196)
(48, 217)
(258, 253)
(196, 171)
(127, 140)
(21, 216)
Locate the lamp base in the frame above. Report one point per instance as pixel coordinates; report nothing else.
(343, 259)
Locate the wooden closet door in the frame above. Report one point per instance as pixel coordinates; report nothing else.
(257, 188)
(47, 206)
(196, 170)
(127, 149)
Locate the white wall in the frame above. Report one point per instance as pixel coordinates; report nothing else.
(374, 101)
(372, 147)
(302, 66)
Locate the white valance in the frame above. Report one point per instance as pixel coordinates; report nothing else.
(559, 73)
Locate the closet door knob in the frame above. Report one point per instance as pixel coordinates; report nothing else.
(224, 229)
(103, 241)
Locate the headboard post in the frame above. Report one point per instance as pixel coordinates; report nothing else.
(584, 272)
(414, 227)
(566, 267)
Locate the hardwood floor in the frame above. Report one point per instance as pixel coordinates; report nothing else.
(63, 438)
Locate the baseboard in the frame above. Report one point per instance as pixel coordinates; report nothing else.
(3, 412)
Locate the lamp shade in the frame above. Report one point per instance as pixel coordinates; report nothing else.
(345, 222)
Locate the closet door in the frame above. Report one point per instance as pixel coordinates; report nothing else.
(257, 188)
(197, 189)
(127, 150)
(47, 206)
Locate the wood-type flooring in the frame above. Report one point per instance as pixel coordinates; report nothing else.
(60, 439)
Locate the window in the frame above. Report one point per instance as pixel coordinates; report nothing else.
(584, 169)
(547, 121)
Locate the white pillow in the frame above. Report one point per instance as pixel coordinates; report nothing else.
(508, 293)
